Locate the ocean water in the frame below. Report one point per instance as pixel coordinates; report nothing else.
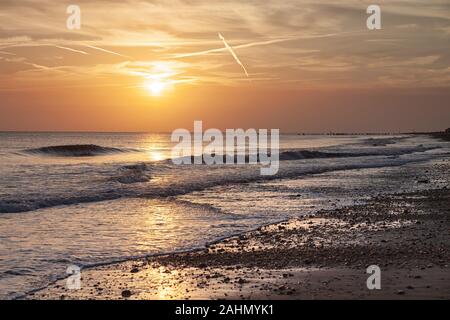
(120, 197)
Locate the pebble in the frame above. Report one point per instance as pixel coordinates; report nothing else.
(126, 293)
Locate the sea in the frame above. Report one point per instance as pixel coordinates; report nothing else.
(86, 199)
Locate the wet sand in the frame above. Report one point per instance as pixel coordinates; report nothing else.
(322, 256)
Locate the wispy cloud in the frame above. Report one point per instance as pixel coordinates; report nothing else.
(290, 41)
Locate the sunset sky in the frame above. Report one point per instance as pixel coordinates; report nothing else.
(159, 65)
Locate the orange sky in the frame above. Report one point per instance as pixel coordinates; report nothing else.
(159, 65)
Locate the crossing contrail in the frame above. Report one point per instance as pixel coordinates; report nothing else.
(264, 43)
(230, 49)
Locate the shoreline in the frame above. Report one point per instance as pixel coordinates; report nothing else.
(226, 266)
(321, 256)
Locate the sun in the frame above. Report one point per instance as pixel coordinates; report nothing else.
(155, 87)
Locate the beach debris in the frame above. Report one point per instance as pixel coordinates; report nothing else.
(126, 293)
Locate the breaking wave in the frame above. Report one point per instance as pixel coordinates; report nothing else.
(290, 155)
(76, 150)
(133, 174)
(102, 182)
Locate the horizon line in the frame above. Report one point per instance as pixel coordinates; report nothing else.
(168, 132)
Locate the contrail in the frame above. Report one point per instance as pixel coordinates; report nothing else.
(263, 43)
(37, 66)
(42, 45)
(70, 49)
(230, 49)
(107, 51)
(24, 61)
(198, 53)
(247, 45)
(8, 53)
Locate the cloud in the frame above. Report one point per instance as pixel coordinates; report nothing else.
(285, 42)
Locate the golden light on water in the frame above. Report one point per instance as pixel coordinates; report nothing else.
(156, 155)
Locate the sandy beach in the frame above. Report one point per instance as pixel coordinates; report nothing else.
(321, 256)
